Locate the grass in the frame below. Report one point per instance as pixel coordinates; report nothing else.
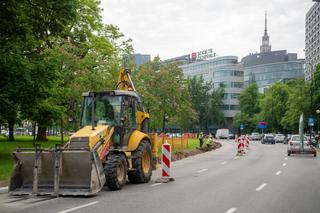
(6, 148)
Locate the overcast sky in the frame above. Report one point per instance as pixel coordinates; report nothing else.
(171, 28)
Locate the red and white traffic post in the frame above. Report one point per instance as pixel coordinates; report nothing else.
(165, 164)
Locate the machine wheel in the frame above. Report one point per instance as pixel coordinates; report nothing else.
(141, 163)
(115, 171)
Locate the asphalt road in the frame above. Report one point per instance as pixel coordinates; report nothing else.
(265, 180)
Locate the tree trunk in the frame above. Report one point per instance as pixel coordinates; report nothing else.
(11, 128)
(42, 135)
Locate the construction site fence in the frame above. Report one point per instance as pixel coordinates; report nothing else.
(177, 143)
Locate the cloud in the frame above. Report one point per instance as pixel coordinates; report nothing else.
(231, 27)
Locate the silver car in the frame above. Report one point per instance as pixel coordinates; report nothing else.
(295, 148)
(255, 136)
(279, 138)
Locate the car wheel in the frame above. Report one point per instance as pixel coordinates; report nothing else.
(315, 154)
(289, 153)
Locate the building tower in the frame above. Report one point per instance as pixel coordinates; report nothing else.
(265, 47)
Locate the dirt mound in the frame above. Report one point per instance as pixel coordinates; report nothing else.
(184, 154)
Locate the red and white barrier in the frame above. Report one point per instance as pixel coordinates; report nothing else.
(166, 160)
(165, 164)
(243, 143)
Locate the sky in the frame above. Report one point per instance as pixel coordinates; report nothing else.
(171, 28)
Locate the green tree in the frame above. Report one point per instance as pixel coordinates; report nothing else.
(274, 106)
(249, 106)
(298, 101)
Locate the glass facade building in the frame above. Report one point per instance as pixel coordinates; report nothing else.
(222, 72)
(267, 68)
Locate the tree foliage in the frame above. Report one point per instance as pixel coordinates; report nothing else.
(206, 101)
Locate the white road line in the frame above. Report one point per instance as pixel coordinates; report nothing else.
(79, 207)
(285, 158)
(236, 157)
(3, 188)
(284, 164)
(224, 162)
(156, 184)
(231, 210)
(202, 170)
(278, 173)
(261, 187)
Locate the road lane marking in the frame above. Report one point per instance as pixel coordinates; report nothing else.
(202, 170)
(278, 173)
(285, 158)
(284, 164)
(79, 207)
(231, 210)
(236, 157)
(156, 184)
(224, 162)
(3, 188)
(261, 187)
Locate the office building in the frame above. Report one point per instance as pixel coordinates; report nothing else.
(222, 72)
(268, 67)
(312, 40)
(140, 59)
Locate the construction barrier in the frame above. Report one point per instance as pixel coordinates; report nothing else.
(166, 160)
(165, 164)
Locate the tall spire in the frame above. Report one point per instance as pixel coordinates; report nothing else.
(265, 24)
(265, 47)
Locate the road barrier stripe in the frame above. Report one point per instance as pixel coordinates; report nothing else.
(166, 160)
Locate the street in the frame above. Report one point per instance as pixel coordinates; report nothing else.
(263, 180)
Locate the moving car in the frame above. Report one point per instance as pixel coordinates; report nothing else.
(294, 146)
(268, 138)
(222, 134)
(279, 138)
(255, 136)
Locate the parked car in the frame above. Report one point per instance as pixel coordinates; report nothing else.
(255, 136)
(279, 138)
(294, 146)
(268, 138)
(222, 134)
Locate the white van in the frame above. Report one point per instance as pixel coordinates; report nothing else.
(222, 134)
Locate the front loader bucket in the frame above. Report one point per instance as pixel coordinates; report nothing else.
(56, 172)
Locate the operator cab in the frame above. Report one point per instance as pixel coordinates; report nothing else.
(118, 108)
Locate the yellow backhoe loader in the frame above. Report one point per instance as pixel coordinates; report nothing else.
(111, 145)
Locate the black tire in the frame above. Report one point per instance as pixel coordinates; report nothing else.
(138, 175)
(315, 154)
(115, 171)
(289, 153)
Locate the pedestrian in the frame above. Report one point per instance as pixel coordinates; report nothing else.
(201, 139)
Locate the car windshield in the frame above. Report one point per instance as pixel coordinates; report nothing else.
(297, 138)
(107, 110)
